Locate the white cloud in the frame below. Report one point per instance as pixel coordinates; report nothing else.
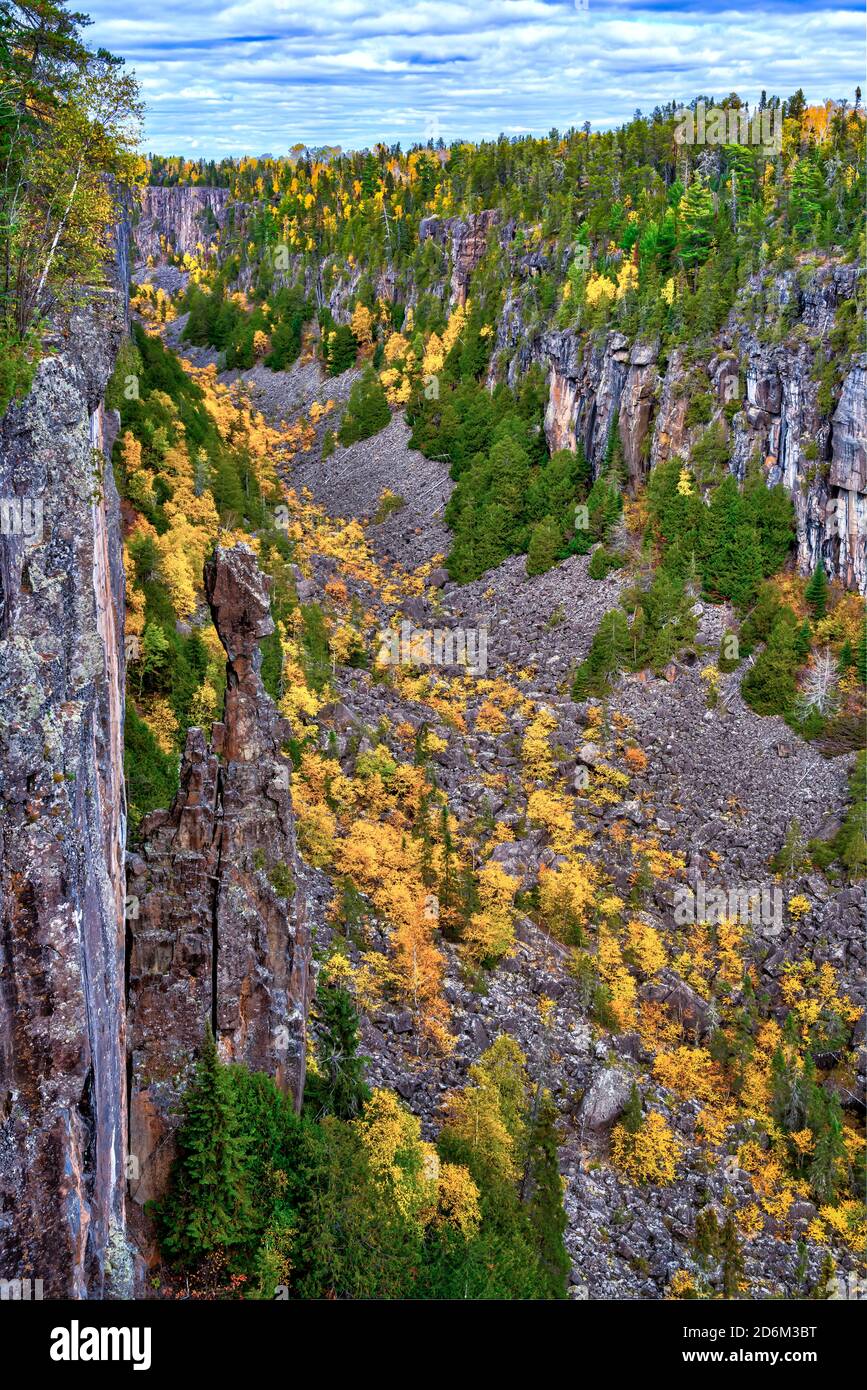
(233, 78)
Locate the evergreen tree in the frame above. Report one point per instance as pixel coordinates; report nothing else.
(341, 350)
(338, 1087)
(829, 1153)
(367, 412)
(696, 219)
(732, 558)
(793, 854)
(769, 687)
(816, 592)
(545, 543)
(807, 196)
(545, 1206)
(608, 653)
(772, 512)
(207, 1208)
(803, 641)
(632, 1118)
(732, 1259)
(707, 1238)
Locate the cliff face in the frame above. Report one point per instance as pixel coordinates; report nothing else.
(217, 932)
(464, 241)
(760, 389)
(62, 1044)
(183, 216)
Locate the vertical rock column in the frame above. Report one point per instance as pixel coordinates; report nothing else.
(220, 933)
(62, 1044)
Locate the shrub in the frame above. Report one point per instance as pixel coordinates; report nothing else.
(648, 1154)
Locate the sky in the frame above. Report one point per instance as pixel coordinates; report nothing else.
(258, 76)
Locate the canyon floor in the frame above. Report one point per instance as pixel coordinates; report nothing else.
(720, 789)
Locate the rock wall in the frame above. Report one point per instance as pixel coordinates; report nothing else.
(218, 932)
(62, 822)
(464, 240)
(183, 216)
(762, 391)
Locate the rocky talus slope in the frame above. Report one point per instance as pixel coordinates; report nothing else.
(218, 928)
(717, 795)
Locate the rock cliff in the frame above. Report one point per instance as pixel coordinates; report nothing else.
(464, 241)
(218, 932)
(62, 822)
(758, 385)
(182, 217)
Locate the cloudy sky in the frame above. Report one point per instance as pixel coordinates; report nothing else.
(257, 76)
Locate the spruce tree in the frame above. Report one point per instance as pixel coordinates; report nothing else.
(608, 653)
(732, 1259)
(367, 412)
(545, 543)
(207, 1208)
(338, 1087)
(341, 350)
(861, 657)
(816, 592)
(633, 1116)
(793, 855)
(545, 1206)
(829, 1154)
(696, 219)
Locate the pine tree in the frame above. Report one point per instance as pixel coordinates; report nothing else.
(816, 592)
(732, 1259)
(545, 1206)
(207, 1207)
(545, 544)
(338, 1087)
(633, 1116)
(367, 412)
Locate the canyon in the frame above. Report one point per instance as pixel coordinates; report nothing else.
(112, 962)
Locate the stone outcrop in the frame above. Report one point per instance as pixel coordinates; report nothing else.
(218, 930)
(62, 821)
(761, 388)
(182, 216)
(464, 240)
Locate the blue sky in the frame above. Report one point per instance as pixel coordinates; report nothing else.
(257, 76)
